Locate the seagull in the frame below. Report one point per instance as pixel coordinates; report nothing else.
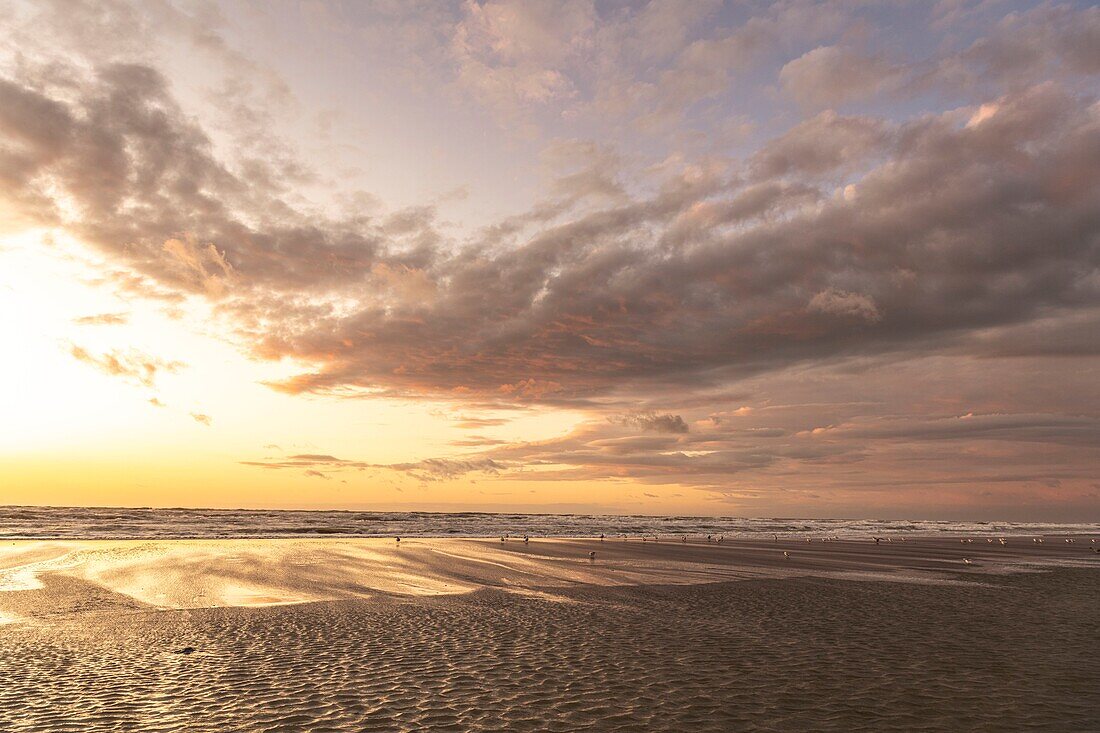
(526, 539)
(719, 540)
(967, 561)
(502, 538)
(684, 538)
(592, 555)
(786, 554)
(399, 540)
(1003, 541)
(601, 537)
(989, 540)
(776, 537)
(877, 539)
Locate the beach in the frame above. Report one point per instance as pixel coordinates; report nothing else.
(349, 634)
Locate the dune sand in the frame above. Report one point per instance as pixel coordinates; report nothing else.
(447, 634)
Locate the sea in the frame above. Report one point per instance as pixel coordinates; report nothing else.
(25, 522)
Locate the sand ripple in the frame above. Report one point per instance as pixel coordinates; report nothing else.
(800, 654)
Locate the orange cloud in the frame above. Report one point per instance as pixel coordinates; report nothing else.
(133, 365)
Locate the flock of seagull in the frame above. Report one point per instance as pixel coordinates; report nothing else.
(717, 539)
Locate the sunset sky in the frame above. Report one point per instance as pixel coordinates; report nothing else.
(792, 259)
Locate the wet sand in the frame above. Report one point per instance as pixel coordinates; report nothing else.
(349, 635)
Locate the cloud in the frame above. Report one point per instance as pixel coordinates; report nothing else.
(103, 319)
(427, 470)
(842, 303)
(824, 144)
(468, 422)
(612, 297)
(446, 469)
(202, 419)
(1066, 429)
(832, 75)
(512, 53)
(132, 365)
(596, 303)
(203, 262)
(476, 441)
(651, 421)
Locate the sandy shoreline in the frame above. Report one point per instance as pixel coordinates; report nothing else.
(251, 572)
(447, 634)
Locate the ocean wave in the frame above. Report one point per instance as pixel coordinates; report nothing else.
(17, 522)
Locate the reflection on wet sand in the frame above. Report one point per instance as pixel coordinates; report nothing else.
(464, 635)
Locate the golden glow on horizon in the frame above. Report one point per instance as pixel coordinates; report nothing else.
(76, 435)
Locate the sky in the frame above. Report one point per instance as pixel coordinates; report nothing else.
(830, 259)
